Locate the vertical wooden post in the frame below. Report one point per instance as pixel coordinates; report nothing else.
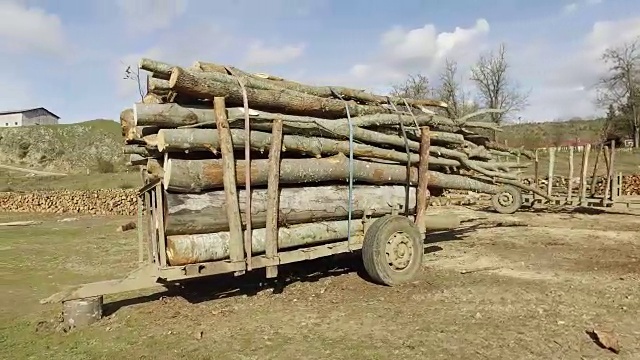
(552, 160)
(154, 227)
(149, 222)
(140, 230)
(536, 173)
(570, 184)
(236, 253)
(592, 189)
(607, 188)
(422, 193)
(583, 175)
(162, 239)
(273, 198)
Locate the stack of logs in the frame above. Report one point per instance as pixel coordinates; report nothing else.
(98, 202)
(178, 135)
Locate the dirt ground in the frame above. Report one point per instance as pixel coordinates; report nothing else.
(522, 286)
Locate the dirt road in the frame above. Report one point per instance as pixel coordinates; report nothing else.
(525, 286)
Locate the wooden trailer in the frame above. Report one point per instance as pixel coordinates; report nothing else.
(392, 246)
(511, 199)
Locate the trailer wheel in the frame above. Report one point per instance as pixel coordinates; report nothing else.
(392, 250)
(508, 200)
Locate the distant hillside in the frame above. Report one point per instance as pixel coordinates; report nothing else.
(95, 145)
(555, 133)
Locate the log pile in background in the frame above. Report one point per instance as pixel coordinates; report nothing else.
(172, 133)
(98, 202)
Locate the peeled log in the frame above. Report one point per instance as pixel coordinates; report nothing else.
(205, 212)
(199, 175)
(211, 84)
(273, 83)
(191, 249)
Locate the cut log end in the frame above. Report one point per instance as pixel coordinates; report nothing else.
(82, 312)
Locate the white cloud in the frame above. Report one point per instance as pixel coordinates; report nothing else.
(260, 55)
(144, 16)
(423, 49)
(569, 75)
(570, 8)
(30, 29)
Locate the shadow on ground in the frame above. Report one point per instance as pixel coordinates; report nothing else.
(252, 283)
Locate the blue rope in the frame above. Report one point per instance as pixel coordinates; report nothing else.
(350, 206)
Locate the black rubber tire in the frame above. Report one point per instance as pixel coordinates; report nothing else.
(374, 250)
(515, 193)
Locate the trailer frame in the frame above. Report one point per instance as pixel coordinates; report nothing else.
(401, 228)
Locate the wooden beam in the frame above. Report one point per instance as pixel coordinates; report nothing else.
(162, 239)
(236, 248)
(273, 197)
(422, 193)
(595, 169)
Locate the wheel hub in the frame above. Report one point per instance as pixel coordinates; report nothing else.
(399, 251)
(505, 199)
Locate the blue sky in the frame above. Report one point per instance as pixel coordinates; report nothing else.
(70, 55)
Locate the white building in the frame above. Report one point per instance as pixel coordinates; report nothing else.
(27, 117)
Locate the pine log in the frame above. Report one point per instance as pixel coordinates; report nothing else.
(263, 83)
(197, 248)
(199, 175)
(207, 140)
(127, 120)
(191, 249)
(211, 84)
(140, 150)
(158, 86)
(153, 99)
(139, 133)
(175, 115)
(205, 212)
(135, 160)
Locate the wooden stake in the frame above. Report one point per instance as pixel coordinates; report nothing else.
(607, 188)
(592, 189)
(570, 184)
(236, 252)
(422, 193)
(583, 175)
(536, 174)
(552, 159)
(273, 198)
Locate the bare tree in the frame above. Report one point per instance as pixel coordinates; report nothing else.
(495, 89)
(416, 86)
(134, 75)
(450, 90)
(621, 86)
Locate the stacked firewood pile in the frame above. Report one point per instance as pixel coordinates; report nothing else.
(177, 135)
(98, 202)
(630, 184)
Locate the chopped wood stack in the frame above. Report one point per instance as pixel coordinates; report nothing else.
(174, 135)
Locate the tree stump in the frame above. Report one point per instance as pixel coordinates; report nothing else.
(82, 312)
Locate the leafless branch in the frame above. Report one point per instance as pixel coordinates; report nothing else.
(134, 75)
(495, 89)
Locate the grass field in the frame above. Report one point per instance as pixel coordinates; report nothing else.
(532, 292)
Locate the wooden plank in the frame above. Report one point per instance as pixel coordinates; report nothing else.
(162, 239)
(570, 184)
(149, 221)
(273, 198)
(607, 187)
(422, 193)
(552, 160)
(583, 175)
(140, 230)
(236, 246)
(154, 228)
